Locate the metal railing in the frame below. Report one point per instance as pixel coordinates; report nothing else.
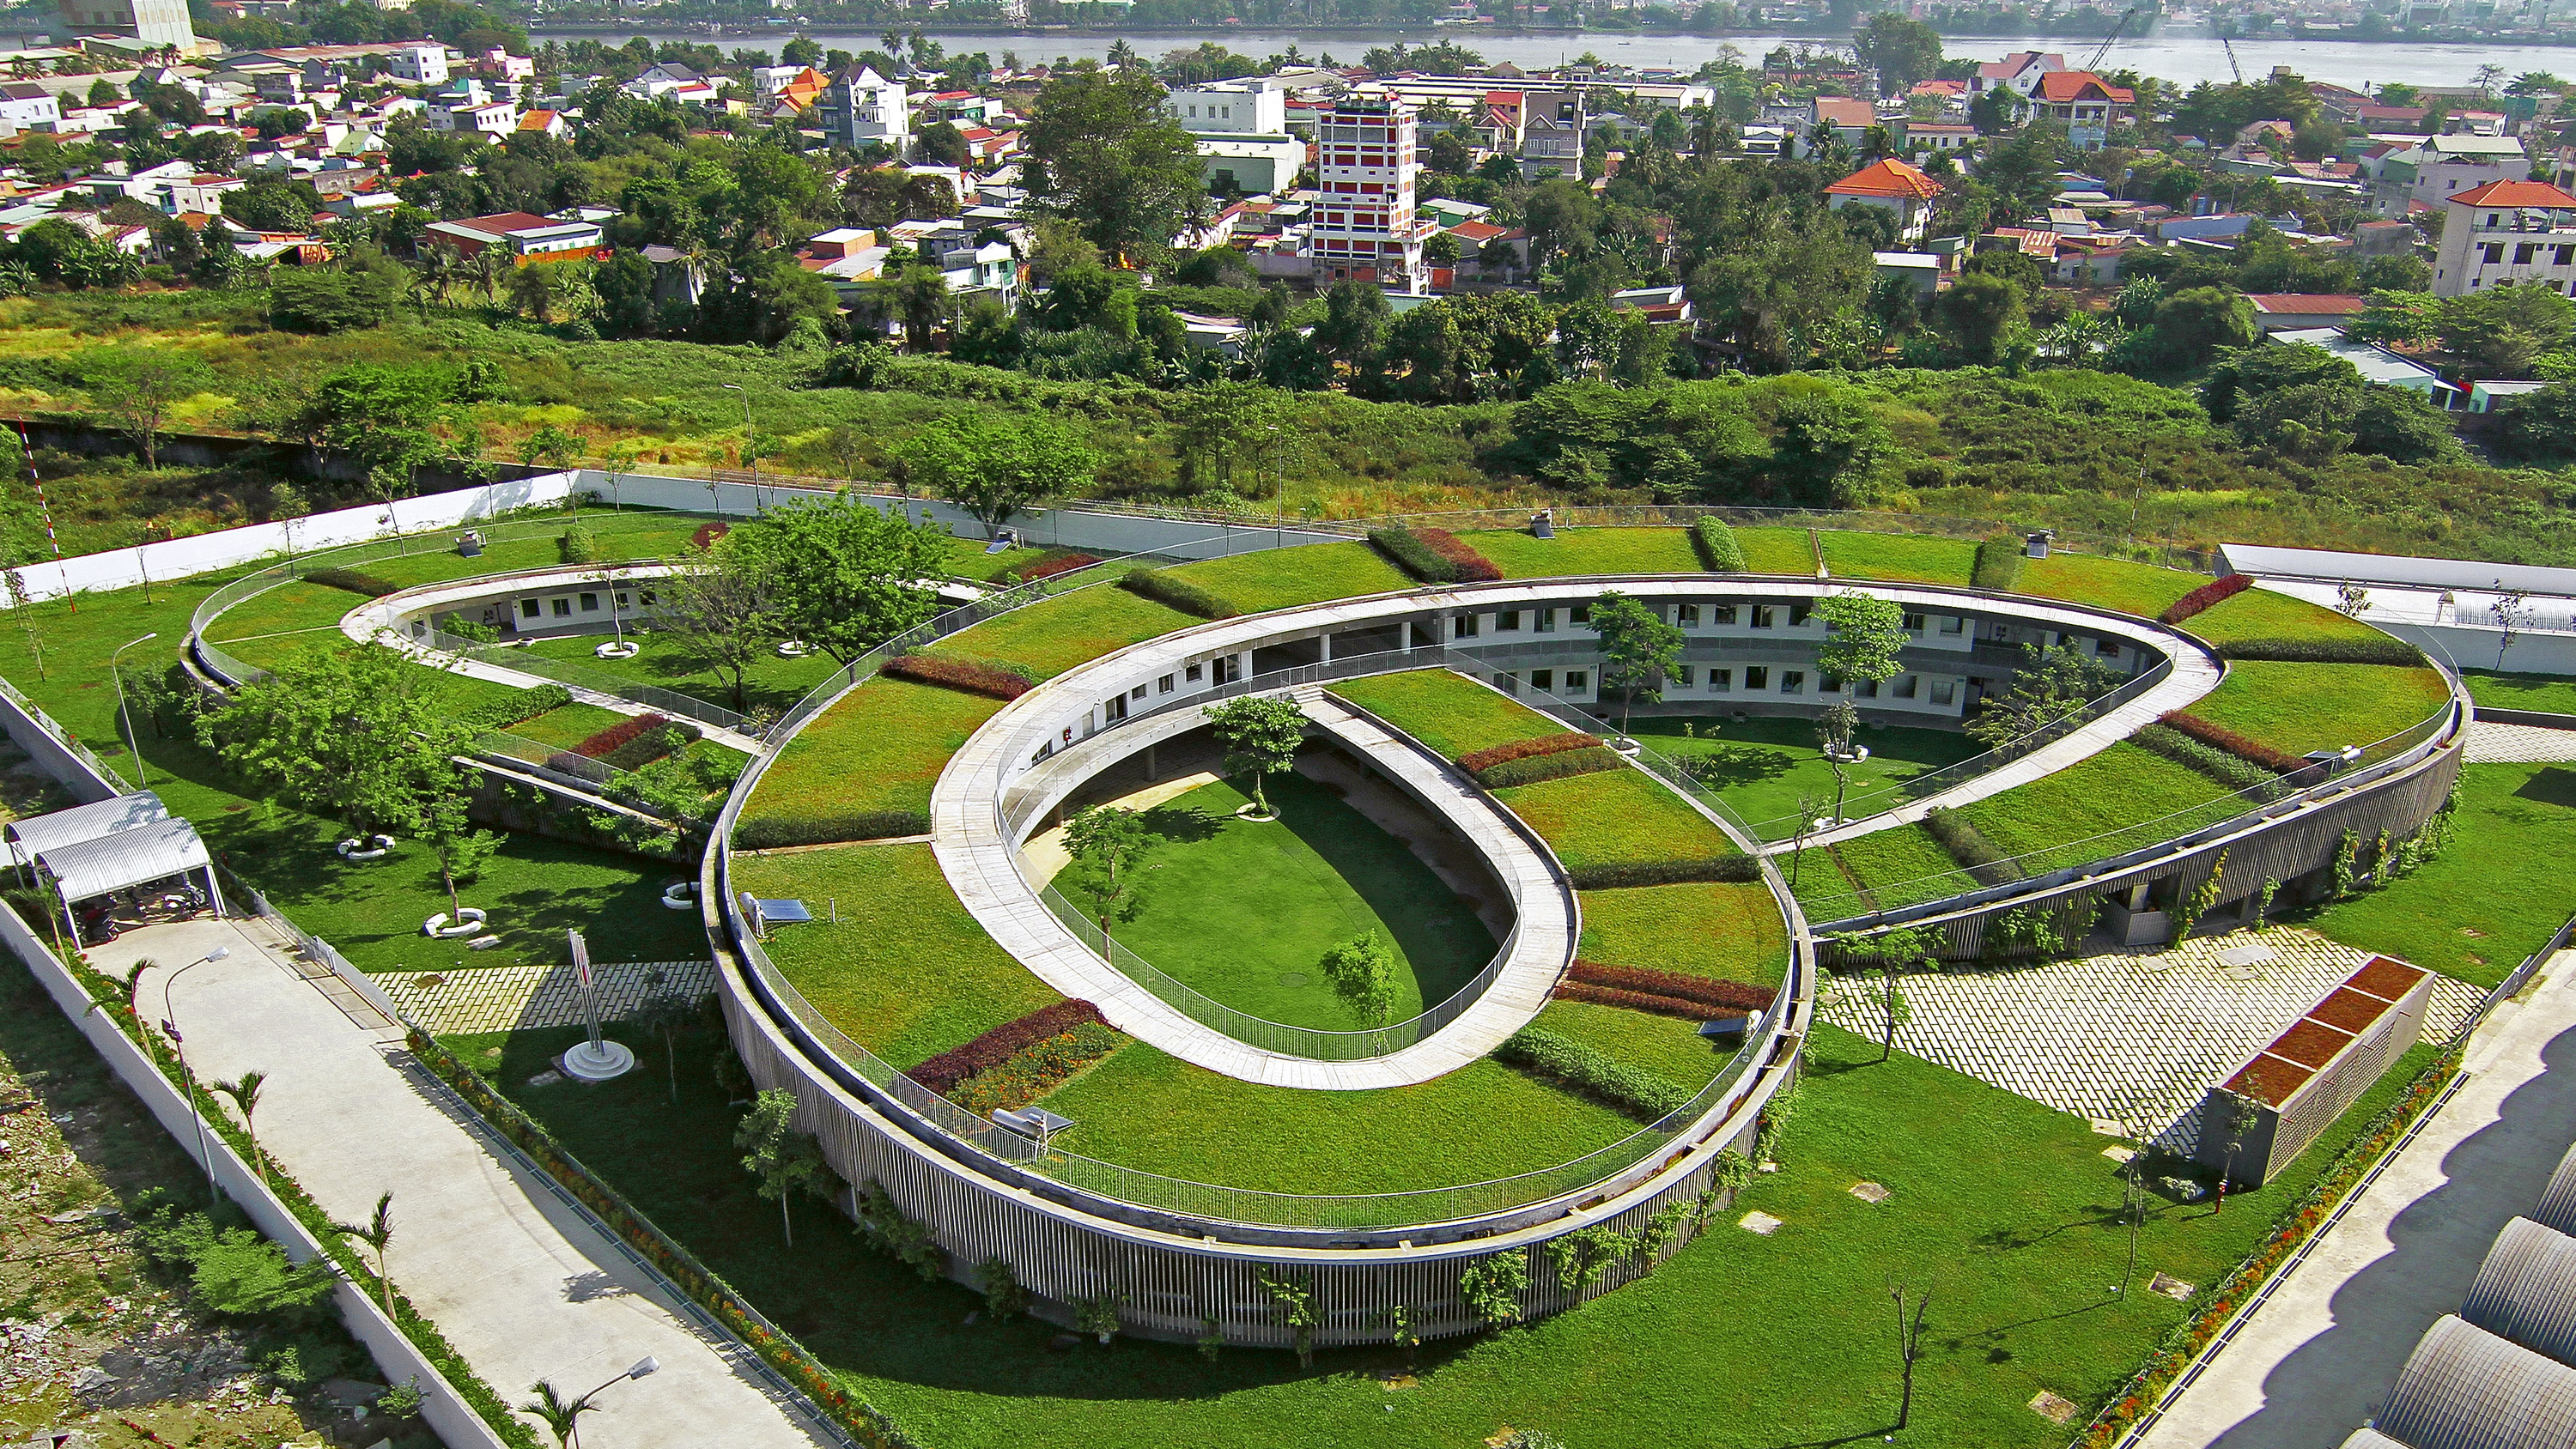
(2516, 979)
(1676, 515)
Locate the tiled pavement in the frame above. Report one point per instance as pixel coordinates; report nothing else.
(2510, 744)
(2134, 1036)
(523, 998)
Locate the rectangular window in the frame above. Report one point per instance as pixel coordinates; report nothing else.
(1114, 709)
(1914, 623)
(590, 603)
(1573, 680)
(1686, 615)
(651, 598)
(1798, 614)
(2524, 253)
(1508, 619)
(530, 608)
(1866, 689)
(1137, 693)
(1681, 676)
(1229, 668)
(1580, 614)
(1466, 627)
(2106, 648)
(1757, 676)
(1762, 615)
(1192, 673)
(1542, 679)
(1904, 688)
(1945, 691)
(1511, 683)
(1827, 684)
(1722, 613)
(1721, 681)
(1952, 624)
(1546, 620)
(2491, 252)
(2567, 254)
(1793, 681)
(621, 601)
(1164, 685)
(563, 608)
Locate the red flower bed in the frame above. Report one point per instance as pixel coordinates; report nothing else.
(943, 1072)
(709, 533)
(1478, 762)
(610, 738)
(2215, 591)
(1645, 1001)
(1049, 567)
(959, 674)
(1739, 995)
(1472, 567)
(2221, 737)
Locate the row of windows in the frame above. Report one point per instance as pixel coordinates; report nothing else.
(1757, 679)
(1756, 616)
(2562, 254)
(562, 608)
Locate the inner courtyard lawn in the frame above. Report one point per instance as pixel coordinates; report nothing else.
(1244, 912)
(1762, 766)
(666, 663)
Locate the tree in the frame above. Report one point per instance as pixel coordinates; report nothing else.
(666, 1013)
(322, 300)
(1893, 951)
(941, 144)
(1980, 314)
(2195, 324)
(995, 464)
(1909, 1345)
(1361, 972)
(462, 851)
(1105, 843)
(2050, 684)
(378, 1234)
(1637, 649)
(1826, 444)
(1106, 155)
(243, 1091)
(361, 734)
(720, 601)
(2242, 1116)
(1260, 737)
(381, 417)
(1864, 635)
(2541, 428)
(921, 296)
(1219, 422)
(561, 1416)
(784, 1159)
(138, 388)
(1902, 51)
(840, 575)
(552, 447)
(1355, 320)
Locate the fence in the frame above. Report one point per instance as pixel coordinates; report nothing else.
(2516, 979)
(1862, 520)
(598, 681)
(315, 949)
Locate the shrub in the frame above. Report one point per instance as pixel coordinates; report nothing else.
(673, 737)
(1044, 567)
(527, 704)
(1645, 1001)
(1561, 766)
(1719, 553)
(2214, 592)
(1433, 555)
(2378, 649)
(1036, 1069)
(1585, 1070)
(2276, 761)
(768, 832)
(607, 741)
(2233, 771)
(1998, 564)
(1619, 875)
(1477, 762)
(313, 299)
(972, 676)
(1738, 995)
(1180, 594)
(578, 545)
(1469, 566)
(1975, 854)
(943, 1072)
(351, 580)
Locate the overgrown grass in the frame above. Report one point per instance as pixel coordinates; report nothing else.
(1285, 578)
(2260, 613)
(1449, 713)
(1617, 817)
(1720, 929)
(2296, 708)
(1906, 557)
(881, 747)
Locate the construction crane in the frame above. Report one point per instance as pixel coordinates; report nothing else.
(2099, 51)
(2232, 67)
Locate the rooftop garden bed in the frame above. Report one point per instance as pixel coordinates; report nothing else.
(2260, 613)
(1285, 578)
(2095, 806)
(1055, 636)
(1725, 930)
(1634, 550)
(1904, 557)
(1617, 817)
(1901, 865)
(1449, 713)
(2145, 590)
(291, 607)
(2296, 708)
(875, 752)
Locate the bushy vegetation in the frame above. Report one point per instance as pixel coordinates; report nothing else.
(971, 676)
(1978, 856)
(1719, 553)
(1179, 593)
(2383, 649)
(2216, 591)
(2227, 767)
(1998, 564)
(1583, 1069)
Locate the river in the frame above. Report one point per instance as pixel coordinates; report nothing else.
(2182, 59)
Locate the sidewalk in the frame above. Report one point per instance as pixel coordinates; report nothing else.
(524, 1287)
(2321, 1356)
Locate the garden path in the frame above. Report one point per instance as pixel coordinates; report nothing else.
(2511, 744)
(530, 998)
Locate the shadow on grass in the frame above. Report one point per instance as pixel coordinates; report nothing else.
(2552, 786)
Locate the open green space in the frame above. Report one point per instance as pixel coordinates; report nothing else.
(2094, 807)
(2260, 613)
(1898, 866)
(666, 663)
(1448, 712)
(2296, 708)
(1725, 930)
(1285, 578)
(2004, 1207)
(1904, 557)
(2495, 893)
(1762, 766)
(1617, 817)
(891, 956)
(567, 725)
(879, 747)
(1634, 550)
(2145, 590)
(289, 608)
(1667, 1046)
(1243, 911)
(1053, 637)
(2543, 693)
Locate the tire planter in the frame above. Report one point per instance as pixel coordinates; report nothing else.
(617, 651)
(363, 847)
(468, 922)
(681, 895)
(792, 649)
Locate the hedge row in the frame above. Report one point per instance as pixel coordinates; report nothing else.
(1737, 995)
(351, 580)
(1998, 564)
(2233, 771)
(600, 745)
(2214, 592)
(1544, 1053)
(1645, 1001)
(972, 676)
(943, 1072)
(1036, 1069)
(1975, 854)
(1476, 762)
(1562, 766)
(673, 737)
(1433, 555)
(527, 704)
(1180, 594)
(2276, 761)
(2377, 649)
(768, 832)
(1623, 874)
(1719, 553)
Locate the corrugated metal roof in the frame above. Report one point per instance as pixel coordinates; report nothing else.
(2372, 1439)
(2395, 569)
(112, 862)
(2526, 1289)
(85, 822)
(2466, 1388)
(2558, 1204)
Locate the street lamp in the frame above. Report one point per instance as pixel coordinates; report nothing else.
(746, 442)
(113, 668)
(643, 1367)
(170, 1029)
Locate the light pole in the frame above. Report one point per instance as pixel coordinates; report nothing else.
(170, 1029)
(642, 1368)
(144, 775)
(752, 457)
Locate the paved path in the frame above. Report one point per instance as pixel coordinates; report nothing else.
(526, 998)
(522, 1285)
(2133, 1036)
(2512, 744)
(2322, 1354)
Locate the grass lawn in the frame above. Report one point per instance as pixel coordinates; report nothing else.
(1898, 866)
(1244, 911)
(1613, 818)
(2303, 707)
(1448, 712)
(623, 538)
(291, 607)
(1719, 929)
(1762, 765)
(1587, 551)
(2106, 583)
(2490, 899)
(881, 747)
(2260, 613)
(1285, 578)
(1909, 557)
(567, 725)
(905, 971)
(1665, 1045)
(1054, 636)
(2545, 693)
(1480, 1122)
(1739, 1342)
(2103, 795)
(667, 664)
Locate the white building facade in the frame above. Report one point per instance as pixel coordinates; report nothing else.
(2506, 233)
(863, 108)
(1364, 225)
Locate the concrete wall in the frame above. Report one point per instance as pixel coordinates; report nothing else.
(2473, 646)
(26, 726)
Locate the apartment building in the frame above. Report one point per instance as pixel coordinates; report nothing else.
(1364, 225)
(2507, 232)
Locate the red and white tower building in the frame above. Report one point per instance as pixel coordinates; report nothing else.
(1364, 228)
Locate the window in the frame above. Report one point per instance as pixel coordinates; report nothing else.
(1508, 619)
(1580, 614)
(1163, 685)
(2523, 254)
(1945, 691)
(1510, 683)
(1793, 681)
(1757, 676)
(1546, 621)
(1914, 623)
(1542, 679)
(1952, 623)
(1192, 673)
(1721, 681)
(1686, 615)
(1573, 680)
(563, 608)
(2491, 252)
(1903, 687)
(621, 601)
(1722, 613)
(2566, 254)
(1827, 684)
(1466, 626)
(2108, 649)
(1762, 615)
(2000, 634)
(651, 598)
(1113, 709)
(590, 603)
(1229, 668)
(529, 608)
(1137, 693)
(1681, 676)
(1798, 614)
(1866, 689)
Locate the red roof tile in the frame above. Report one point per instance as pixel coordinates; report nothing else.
(2515, 193)
(1890, 177)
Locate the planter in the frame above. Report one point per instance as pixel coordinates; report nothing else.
(615, 650)
(374, 847)
(680, 895)
(792, 649)
(468, 922)
(1852, 756)
(1255, 814)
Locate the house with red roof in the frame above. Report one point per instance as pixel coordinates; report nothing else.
(1849, 120)
(2087, 105)
(2018, 72)
(2506, 232)
(2298, 311)
(1897, 186)
(546, 123)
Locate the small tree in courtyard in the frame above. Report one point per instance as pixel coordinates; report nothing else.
(1864, 634)
(1260, 737)
(783, 1158)
(1105, 843)
(1637, 650)
(1362, 973)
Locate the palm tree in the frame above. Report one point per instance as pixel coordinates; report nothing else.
(378, 1235)
(487, 270)
(244, 1092)
(561, 1415)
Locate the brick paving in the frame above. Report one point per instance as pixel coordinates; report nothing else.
(524, 998)
(2133, 1037)
(2512, 744)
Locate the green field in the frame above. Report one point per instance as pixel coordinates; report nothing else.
(1761, 766)
(1897, 866)
(1055, 636)
(1243, 911)
(2106, 583)
(1616, 817)
(2296, 708)
(1722, 929)
(1904, 557)
(1447, 712)
(880, 747)
(1285, 578)
(2543, 693)
(2260, 613)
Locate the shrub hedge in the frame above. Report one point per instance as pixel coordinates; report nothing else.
(1477, 762)
(673, 737)
(2214, 592)
(1645, 1001)
(1036, 1069)
(2233, 771)
(527, 704)
(1433, 555)
(1975, 854)
(943, 1072)
(1621, 874)
(2277, 761)
(1469, 566)
(606, 742)
(768, 832)
(1180, 594)
(1735, 995)
(352, 580)
(1563, 765)
(972, 676)
(1719, 553)
(1580, 1067)
(1998, 564)
(2379, 650)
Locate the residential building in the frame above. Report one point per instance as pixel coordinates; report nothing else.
(1244, 144)
(420, 65)
(491, 118)
(1227, 109)
(2507, 232)
(863, 108)
(2376, 365)
(153, 22)
(1846, 119)
(2384, 238)
(1364, 225)
(2019, 72)
(1931, 138)
(1920, 268)
(546, 123)
(1899, 187)
(525, 236)
(2086, 104)
(2441, 167)
(2302, 311)
(26, 105)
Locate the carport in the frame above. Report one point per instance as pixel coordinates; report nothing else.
(85, 869)
(82, 822)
